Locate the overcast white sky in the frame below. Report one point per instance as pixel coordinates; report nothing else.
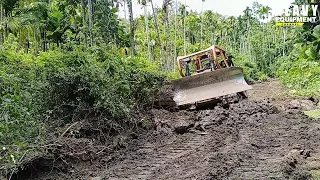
(224, 7)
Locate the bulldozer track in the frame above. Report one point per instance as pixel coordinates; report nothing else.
(159, 159)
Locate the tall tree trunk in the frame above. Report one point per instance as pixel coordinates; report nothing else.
(166, 61)
(248, 37)
(184, 28)
(264, 48)
(175, 36)
(90, 22)
(44, 41)
(170, 42)
(168, 29)
(212, 39)
(269, 47)
(84, 22)
(131, 27)
(158, 31)
(27, 46)
(147, 30)
(201, 23)
(240, 44)
(1, 20)
(284, 41)
(213, 34)
(234, 39)
(275, 36)
(125, 11)
(4, 15)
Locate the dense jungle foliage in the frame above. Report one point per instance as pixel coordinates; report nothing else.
(62, 60)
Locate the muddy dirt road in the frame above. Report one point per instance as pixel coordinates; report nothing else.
(249, 140)
(253, 139)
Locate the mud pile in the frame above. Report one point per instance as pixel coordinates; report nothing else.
(262, 143)
(246, 140)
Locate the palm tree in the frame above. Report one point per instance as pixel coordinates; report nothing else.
(84, 21)
(264, 13)
(284, 41)
(144, 4)
(6, 9)
(29, 25)
(165, 7)
(175, 35)
(1, 20)
(90, 22)
(211, 22)
(231, 29)
(157, 29)
(184, 28)
(248, 14)
(202, 20)
(125, 11)
(131, 27)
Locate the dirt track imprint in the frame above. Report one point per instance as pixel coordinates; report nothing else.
(257, 138)
(250, 140)
(156, 161)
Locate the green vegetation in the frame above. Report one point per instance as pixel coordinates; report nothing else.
(300, 71)
(315, 174)
(59, 87)
(61, 60)
(313, 114)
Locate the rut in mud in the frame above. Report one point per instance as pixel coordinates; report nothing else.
(247, 141)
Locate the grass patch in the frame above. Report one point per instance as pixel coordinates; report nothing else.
(315, 174)
(313, 113)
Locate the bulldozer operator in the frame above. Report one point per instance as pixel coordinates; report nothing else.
(229, 61)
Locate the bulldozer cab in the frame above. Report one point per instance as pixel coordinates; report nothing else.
(207, 76)
(212, 58)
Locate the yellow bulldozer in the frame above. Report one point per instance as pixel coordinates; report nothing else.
(207, 75)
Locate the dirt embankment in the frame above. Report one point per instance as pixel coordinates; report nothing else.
(252, 139)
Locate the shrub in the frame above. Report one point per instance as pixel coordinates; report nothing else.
(57, 87)
(21, 107)
(301, 76)
(250, 69)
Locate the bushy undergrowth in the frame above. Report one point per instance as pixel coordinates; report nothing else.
(300, 71)
(250, 69)
(58, 87)
(302, 77)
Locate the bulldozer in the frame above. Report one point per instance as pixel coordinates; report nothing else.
(207, 76)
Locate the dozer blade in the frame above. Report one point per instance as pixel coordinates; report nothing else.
(208, 85)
